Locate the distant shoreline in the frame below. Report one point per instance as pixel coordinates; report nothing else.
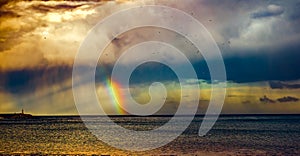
(15, 116)
(167, 115)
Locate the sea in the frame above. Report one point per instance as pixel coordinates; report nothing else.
(231, 135)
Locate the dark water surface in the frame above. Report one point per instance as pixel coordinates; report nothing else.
(231, 135)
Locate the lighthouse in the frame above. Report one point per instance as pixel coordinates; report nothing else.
(22, 111)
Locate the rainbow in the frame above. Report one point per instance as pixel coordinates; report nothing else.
(115, 93)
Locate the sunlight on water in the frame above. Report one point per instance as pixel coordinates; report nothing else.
(231, 134)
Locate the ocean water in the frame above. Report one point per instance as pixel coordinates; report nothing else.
(231, 135)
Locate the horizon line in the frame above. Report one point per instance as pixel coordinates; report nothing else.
(158, 115)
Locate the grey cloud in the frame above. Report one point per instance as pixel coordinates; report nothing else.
(265, 99)
(8, 14)
(248, 26)
(294, 15)
(4, 2)
(246, 102)
(287, 99)
(271, 10)
(26, 31)
(46, 8)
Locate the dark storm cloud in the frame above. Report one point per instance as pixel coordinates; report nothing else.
(281, 85)
(239, 69)
(263, 67)
(293, 13)
(295, 16)
(271, 10)
(281, 65)
(29, 80)
(152, 72)
(243, 66)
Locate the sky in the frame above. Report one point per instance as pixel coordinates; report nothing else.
(259, 42)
